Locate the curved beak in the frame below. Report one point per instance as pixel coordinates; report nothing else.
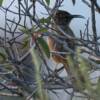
(78, 16)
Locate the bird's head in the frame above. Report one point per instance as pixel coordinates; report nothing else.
(64, 18)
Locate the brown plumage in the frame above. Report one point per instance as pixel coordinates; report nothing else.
(63, 19)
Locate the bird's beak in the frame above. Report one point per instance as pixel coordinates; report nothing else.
(78, 16)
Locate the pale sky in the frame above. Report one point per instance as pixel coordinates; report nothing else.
(79, 8)
(76, 24)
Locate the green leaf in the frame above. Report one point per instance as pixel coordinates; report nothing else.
(1, 1)
(25, 44)
(42, 30)
(42, 20)
(44, 46)
(45, 20)
(37, 62)
(25, 30)
(48, 2)
(3, 55)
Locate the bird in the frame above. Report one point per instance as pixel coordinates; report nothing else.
(63, 19)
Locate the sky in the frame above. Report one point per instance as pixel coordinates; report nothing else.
(82, 9)
(79, 8)
(76, 24)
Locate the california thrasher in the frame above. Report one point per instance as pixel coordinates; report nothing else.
(63, 19)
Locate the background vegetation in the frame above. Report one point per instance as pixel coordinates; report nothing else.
(24, 54)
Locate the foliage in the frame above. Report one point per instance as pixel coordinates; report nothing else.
(25, 55)
(1, 1)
